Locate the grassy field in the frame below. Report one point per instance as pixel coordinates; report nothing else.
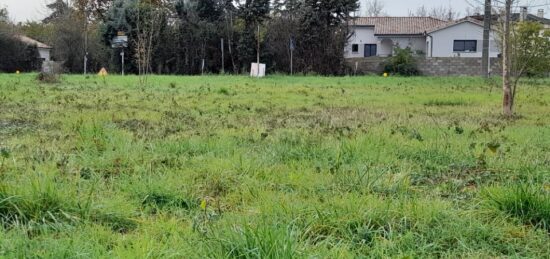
(283, 167)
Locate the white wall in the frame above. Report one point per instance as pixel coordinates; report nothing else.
(44, 53)
(363, 35)
(443, 40)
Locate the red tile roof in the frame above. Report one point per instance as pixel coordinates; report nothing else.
(30, 41)
(452, 23)
(399, 25)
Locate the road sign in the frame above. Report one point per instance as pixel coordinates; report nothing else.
(119, 42)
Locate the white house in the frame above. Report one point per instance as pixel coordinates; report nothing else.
(426, 36)
(462, 38)
(43, 49)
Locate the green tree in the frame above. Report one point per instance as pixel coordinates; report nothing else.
(59, 9)
(252, 13)
(14, 55)
(322, 35)
(4, 17)
(530, 53)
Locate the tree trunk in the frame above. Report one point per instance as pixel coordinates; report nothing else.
(486, 38)
(506, 62)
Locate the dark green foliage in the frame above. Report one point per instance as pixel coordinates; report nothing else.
(14, 55)
(322, 34)
(17, 56)
(121, 17)
(187, 35)
(59, 9)
(531, 49)
(402, 63)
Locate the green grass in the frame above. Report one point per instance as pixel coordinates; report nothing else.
(282, 167)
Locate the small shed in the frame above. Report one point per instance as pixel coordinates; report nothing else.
(43, 49)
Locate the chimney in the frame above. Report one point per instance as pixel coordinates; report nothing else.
(540, 13)
(523, 14)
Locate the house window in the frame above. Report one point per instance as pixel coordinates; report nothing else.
(354, 48)
(465, 46)
(370, 50)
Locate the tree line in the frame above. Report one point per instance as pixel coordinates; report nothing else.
(197, 36)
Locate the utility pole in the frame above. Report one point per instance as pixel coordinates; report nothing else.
(86, 39)
(258, 54)
(292, 46)
(223, 59)
(486, 58)
(122, 57)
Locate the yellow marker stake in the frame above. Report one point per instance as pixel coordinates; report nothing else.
(102, 72)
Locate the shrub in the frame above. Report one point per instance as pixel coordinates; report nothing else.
(47, 78)
(402, 63)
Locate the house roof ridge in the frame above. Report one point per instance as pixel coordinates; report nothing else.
(412, 17)
(28, 40)
(399, 25)
(455, 22)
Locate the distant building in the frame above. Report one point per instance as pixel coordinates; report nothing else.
(43, 49)
(523, 15)
(425, 36)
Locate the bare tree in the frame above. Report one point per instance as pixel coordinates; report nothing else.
(148, 26)
(375, 8)
(506, 60)
(474, 10)
(442, 13)
(421, 11)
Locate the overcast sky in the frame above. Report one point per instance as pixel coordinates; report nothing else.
(22, 10)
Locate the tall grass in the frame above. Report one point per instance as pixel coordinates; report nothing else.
(526, 202)
(283, 167)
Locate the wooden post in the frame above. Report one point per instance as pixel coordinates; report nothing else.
(223, 58)
(291, 46)
(486, 39)
(258, 54)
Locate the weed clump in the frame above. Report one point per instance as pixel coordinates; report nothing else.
(255, 241)
(524, 202)
(44, 208)
(47, 78)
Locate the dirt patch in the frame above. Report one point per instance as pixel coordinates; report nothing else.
(341, 121)
(140, 128)
(13, 127)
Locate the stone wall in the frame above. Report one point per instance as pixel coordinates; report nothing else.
(427, 66)
(455, 66)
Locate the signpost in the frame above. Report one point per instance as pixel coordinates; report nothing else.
(257, 69)
(120, 42)
(292, 46)
(223, 58)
